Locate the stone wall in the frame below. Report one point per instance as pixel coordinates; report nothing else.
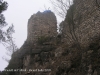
(42, 24)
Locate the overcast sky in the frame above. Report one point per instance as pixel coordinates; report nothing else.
(18, 13)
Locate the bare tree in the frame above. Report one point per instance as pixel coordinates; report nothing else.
(72, 25)
(65, 9)
(9, 44)
(61, 7)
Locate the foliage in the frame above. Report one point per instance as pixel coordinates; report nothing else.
(3, 7)
(93, 46)
(43, 39)
(95, 43)
(6, 36)
(9, 43)
(66, 52)
(95, 54)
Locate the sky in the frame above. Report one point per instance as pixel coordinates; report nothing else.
(18, 13)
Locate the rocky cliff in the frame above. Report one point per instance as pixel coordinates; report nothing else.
(76, 51)
(83, 20)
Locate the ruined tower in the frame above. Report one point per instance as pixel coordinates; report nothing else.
(42, 24)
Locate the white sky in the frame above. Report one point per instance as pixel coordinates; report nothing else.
(18, 13)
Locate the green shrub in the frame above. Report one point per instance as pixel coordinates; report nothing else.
(43, 39)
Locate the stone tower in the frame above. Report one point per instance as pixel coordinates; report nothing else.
(41, 24)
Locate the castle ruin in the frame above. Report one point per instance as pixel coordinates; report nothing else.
(42, 24)
(62, 57)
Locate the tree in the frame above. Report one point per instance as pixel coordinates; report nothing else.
(72, 26)
(9, 43)
(65, 9)
(6, 36)
(12, 46)
(61, 7)
(3, 7)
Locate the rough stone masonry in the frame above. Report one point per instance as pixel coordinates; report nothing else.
(42, 24)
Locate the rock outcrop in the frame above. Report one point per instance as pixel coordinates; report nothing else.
(86, 21)
(76, 51)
